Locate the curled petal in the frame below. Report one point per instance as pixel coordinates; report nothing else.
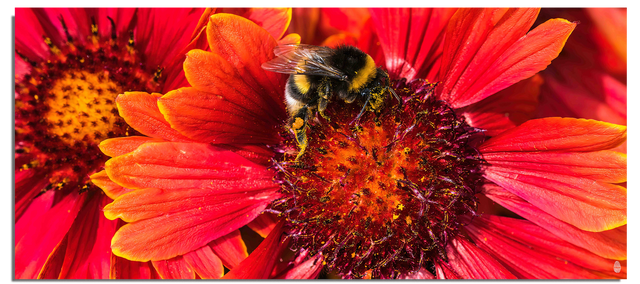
(420, 274)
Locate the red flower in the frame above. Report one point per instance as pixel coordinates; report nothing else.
(204, 171)
(70, 66)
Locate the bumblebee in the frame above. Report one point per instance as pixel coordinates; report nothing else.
(318, 74)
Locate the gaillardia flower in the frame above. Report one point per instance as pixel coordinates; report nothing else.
(70, 66)
(393, 194)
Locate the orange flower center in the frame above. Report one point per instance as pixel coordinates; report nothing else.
(386, 194)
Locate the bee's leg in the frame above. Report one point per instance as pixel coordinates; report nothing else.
(323, 100)
(322, 105)
(367, 93)
(299, 126)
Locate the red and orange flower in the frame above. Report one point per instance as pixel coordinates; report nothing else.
(395, 195)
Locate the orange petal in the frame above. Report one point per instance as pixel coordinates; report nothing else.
(175, 268)
(557, 134)
(212, 118)
(110, 188)
(172, 165)
(245, 46)
(264, 224)
(230, 248)
(290, 39)
(610, 244)
(205, 263)
(118, 146)
(168, 223)
(274, 20)
(140, 110)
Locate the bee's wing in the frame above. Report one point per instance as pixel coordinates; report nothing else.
(303, 59)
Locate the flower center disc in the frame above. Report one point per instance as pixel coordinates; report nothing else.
(384, 194)
(66, 105)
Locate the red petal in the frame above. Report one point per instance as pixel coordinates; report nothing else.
(123, 268)
(33, 249)
(557, 134)
(205, 263)
(443, 272)
(610, 244)
(140, 110)
(186, 166)
(211, 118)
(471, 262)
(230, 248)
(606, 166)
(36, 210)
(28, 184)
(245, 46)
(110, 188)
(28, 34)
(527, 250)
(506, 109)
(175, 268)
(88, 251)
(260, 262)
(160, 39)
(500, 56)
(309, 269)
(587, 204)
(119, 146)
(411, 38)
